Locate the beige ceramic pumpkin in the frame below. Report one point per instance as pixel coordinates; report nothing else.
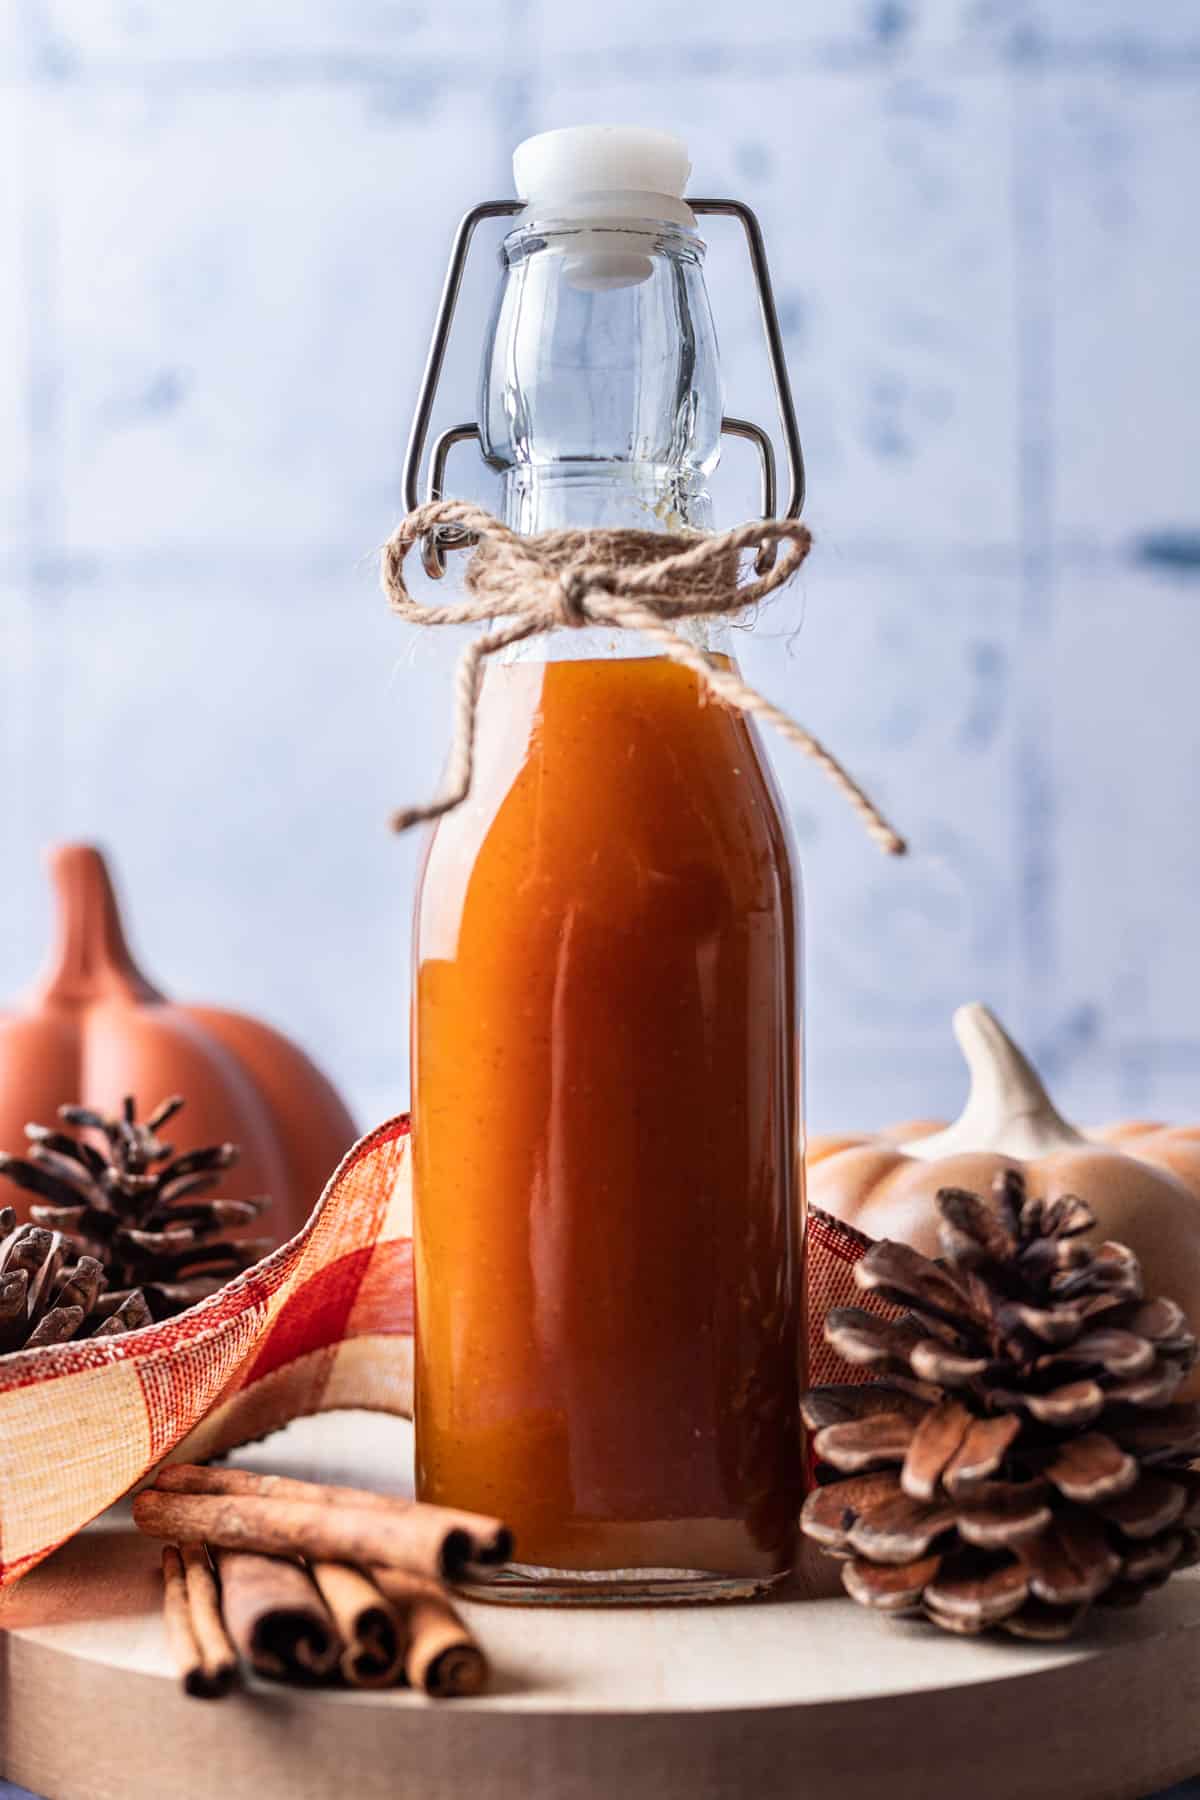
(94, 1029)
(1141, 1179)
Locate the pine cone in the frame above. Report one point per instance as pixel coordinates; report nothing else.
(46, 1297)
(1022, 1455)
(138, 1209)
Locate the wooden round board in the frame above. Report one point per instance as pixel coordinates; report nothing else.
(802, 1696)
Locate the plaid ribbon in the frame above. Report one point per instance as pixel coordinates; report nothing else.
(324, 1322)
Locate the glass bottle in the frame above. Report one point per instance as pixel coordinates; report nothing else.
(606, 1032)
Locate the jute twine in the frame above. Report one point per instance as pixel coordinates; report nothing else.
(623, 580)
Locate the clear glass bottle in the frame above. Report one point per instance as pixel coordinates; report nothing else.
(606, 1029)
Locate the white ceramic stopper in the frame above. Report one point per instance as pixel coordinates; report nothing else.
(603, 176)
(584, 161)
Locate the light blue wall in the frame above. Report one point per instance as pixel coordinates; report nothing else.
(224, 226)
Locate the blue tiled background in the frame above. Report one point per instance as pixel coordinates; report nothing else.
(225, 227)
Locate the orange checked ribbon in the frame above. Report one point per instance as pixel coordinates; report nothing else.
(324, 1322)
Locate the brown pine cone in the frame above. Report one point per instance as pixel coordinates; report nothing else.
(135, 1206)
(1022, 1455)
(47, 1297)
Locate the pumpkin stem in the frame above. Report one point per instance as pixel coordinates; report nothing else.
(1008, 1110)
(90, 960)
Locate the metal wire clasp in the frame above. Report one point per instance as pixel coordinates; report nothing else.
(433, 550)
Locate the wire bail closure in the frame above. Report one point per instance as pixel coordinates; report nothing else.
(434, 547)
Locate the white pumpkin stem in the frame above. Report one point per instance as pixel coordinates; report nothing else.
(1008, 1111)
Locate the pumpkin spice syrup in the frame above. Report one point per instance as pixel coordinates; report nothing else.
(605, 1095)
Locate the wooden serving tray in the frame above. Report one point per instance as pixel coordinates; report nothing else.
(800, 1697)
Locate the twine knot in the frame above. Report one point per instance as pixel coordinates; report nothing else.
(621, 579)
(576, 587)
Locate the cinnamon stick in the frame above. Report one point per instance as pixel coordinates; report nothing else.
(199, 1645)
(443, 1658)
(293, 1528)
(276, 1617)
(373, 1636)
(442, 1540)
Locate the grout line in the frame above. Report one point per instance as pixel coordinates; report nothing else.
(698, 60)
(31, 700)
(43, 425)
(1171, 1053)
(1035, 853)
(518, 113)
(187, 563)
(256, 72)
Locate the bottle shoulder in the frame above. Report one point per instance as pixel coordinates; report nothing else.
(616, 789)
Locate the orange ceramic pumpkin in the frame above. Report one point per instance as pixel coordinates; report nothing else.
(94, 1029)
(1141, 1179)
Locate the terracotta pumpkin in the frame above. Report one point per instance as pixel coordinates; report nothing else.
(1142, 1179)
(94, 1029)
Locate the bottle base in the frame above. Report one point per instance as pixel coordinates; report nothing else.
(525, 1584)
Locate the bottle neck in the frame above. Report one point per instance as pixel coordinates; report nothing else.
(600, 392)
(638, 496)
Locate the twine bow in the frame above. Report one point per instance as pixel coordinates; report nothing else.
(625, 580)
